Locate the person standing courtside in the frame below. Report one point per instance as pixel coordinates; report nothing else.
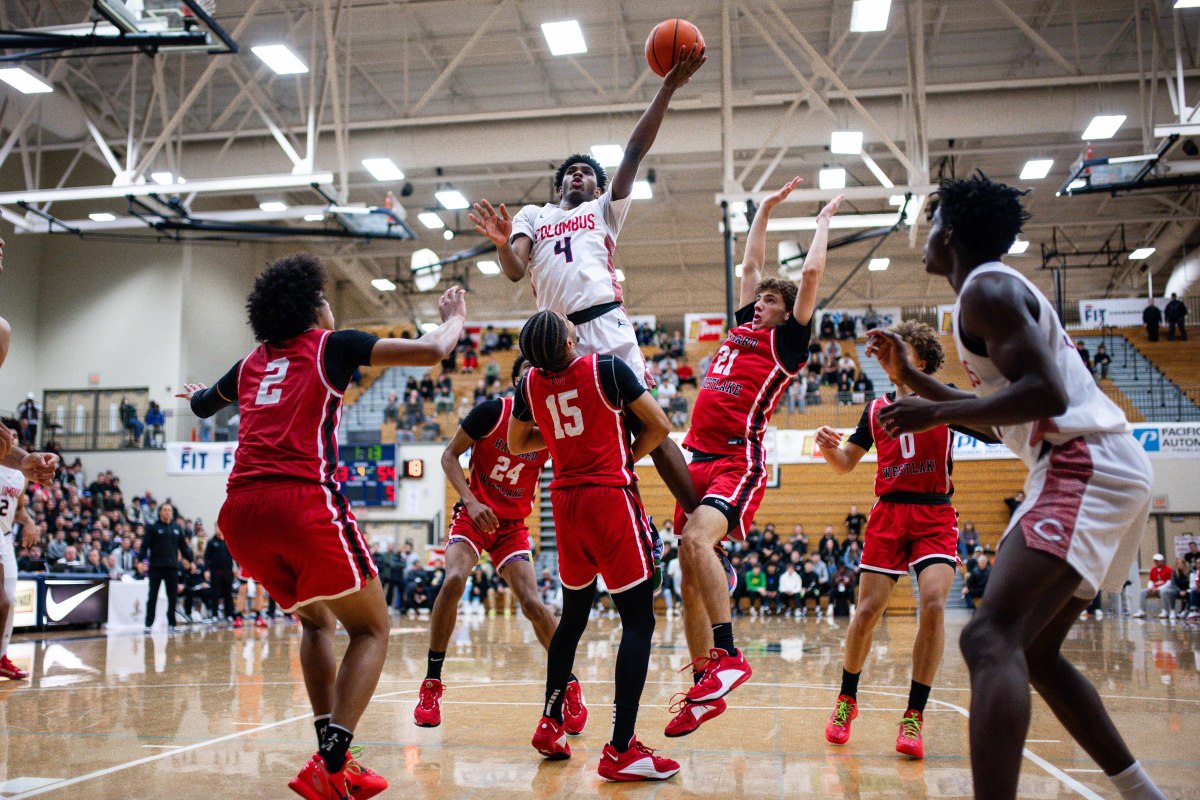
(162, 546)
(219, 564)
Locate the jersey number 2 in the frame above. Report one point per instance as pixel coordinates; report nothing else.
(563, 248)
(270, 388)
(560, 409)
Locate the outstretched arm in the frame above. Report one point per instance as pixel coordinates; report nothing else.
(644, 133)
(497, 226)
(433, 346)
(814, 265)
(891, 352)
(756, 243)
(843, 457)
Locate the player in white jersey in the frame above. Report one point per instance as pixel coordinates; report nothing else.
(1087, 495)
(12, 510)
(566, 249)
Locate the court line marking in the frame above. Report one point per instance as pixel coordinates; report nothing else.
(1043, 741)
(1085, 770)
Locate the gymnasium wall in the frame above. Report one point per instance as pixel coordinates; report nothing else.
(19, 305)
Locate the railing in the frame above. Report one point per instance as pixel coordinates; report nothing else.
(104, 432)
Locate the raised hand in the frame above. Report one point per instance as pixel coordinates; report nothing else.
(495, 225)
(770, 202)
(909, 415)
(831, 207)
(827, 438)
(690, 60)
(890, 350)
(453, 303)
(190, 389)
(39, 467)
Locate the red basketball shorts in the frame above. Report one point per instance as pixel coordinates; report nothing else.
(733, 486)
(900, 535)
(602, 530)
(299, 540)
(510, 539)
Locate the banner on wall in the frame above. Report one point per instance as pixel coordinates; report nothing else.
(704, 327)
(25, 604)
(1121, 311)
(200, 458)
(1169, 440)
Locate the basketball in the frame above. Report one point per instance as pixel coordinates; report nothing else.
(665, 42)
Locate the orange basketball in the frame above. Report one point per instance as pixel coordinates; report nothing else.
(666, 40)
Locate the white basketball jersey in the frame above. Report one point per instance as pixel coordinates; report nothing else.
(12, 485)
(1089, 410)
(571, 263)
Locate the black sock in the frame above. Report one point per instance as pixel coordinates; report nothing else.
(636, 607)
(918, 696)
(572, 677)
(723, 637)
(321, 723)
(560, 656)
(334, 746)
(434, 671)
(850, 683)
(696, 676)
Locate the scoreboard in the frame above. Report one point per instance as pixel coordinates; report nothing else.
(367, 474)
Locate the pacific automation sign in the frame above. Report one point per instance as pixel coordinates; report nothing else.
(1180, 440)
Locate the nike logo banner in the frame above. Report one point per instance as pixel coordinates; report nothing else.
(77, 602)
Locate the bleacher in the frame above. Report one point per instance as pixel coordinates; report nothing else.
(1138, 385)
(1179, 362)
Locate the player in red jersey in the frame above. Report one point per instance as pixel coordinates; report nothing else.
(284, 518)
(490, 516)
(748, 375)
(579, 404)
(911, 525)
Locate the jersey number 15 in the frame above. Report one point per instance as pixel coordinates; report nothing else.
(561, 411)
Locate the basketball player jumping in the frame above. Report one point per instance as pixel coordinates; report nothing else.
(490, 516)
(1087, 497)
(748, 375)
(911, 525)
(579, 404)
(12, 510)
(285, 519)
(566, 249)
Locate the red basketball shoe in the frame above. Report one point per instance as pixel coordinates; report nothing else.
(362, 782)
(237, 622)
(428, 713)
(908, 739)
(722, 674)
(837, 730)
(575, 712)
(691, 716)
(638, 763)
(551, 740)
(314, 782)
(11, 671)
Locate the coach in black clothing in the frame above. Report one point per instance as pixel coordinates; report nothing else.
(162, 546)
(1175, 313)
(219, 564)
(1152, 318)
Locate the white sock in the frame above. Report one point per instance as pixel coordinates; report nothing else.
(1135, 784)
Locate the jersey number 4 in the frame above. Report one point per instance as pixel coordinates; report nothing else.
(560, 410)
(270, 388)
(563, 248)
(501, 471)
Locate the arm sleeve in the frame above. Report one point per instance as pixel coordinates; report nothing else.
(482, 419)
(791, 343)
(345, 352)
(521, 408)
(862, 435)
(620, 385)
(224, 392)
(523, 223)
(615, 211)
(744, 315)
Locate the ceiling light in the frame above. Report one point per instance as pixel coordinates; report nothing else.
(383, 169)
(620, 276)
(565, 38)
(1141, 253)
(279, 58)
(272, 206)
(1019, 246)
(1078, 183)
(24, 81)
(429, 327)
(642, 190)
(101, 216)
(162, 178)
(1103, 127)
(452, 199)
(1187, 3)
(426, 268)
(834, 178)
(737, 271)
(447, 234)
(488, 267)
(383, 285)
(609, 155)
(878, 264)
(846, 142)
(1036, 169)
(314, 217)
(431, 220)
(868, 16)
(896, 200)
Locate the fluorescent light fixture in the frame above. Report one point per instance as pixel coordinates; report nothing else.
(846, 142)
(834, 178)
(314, 217)
(565, 38)
(896, 200)
(737, 271)
(488, 267)
(383, 169)
(162, 178)
(868, 16)
(383, 285)
(609, 155)
(431, 220)
(1141, 254)
(429, 327)
(1019, 246)
(1187, 3)
(878, 264)
(1104, 126)
(452, 199)
(24, 81)
(101, 216)
(279, 58)
(447, 234)
(1078, 183)
(1036, 169)
(620, 275)
(426, 269)
(642, 190)
(272, 206)
(738, 207)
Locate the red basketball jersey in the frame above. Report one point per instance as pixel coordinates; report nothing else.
(912, 462)
(584, 432)
(505, 483)
(289, 414)
(738, 395)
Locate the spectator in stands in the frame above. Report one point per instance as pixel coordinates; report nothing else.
(845, 389)
(968, 540)
(771, 590)
(505, 340)
(1182, 577)
(58, 546)
(1102, 360)
(846, 327)
(1193, 592)
(795, 394)
(69, 562)
(828, 327)
(464, 408)
(477, 590)
(470, 361)
(391, 412)
(675, 348)
(92, 565)
(112, 564)
(443, 401)
(1175, 313)
(846, 366)
(678, 411)
(855, 521)
(686, 375)
(664, 392)
(32, 560)
(864, 386)
(1161, 585)
(414, 410)
(791, 589)
(450, 362)
(411, 385)
(977, 581)
(1081, 348)
(154, 426)
(1152, 319)
(852, 558)
(28, 413)
(491, 372)
(1192, 556)
(426, 387)
(133, 426)
(219, 575)
(871, 319)
(490, 341)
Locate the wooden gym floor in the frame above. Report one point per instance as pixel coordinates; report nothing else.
(222, 713)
